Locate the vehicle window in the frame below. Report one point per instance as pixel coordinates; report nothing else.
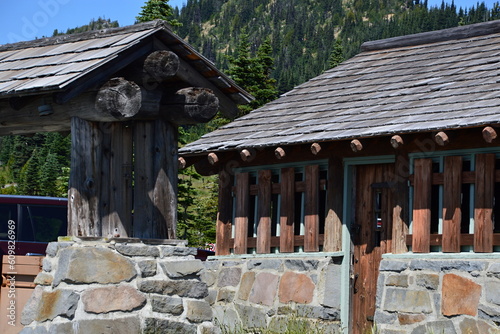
(42, 223)
(7, 212)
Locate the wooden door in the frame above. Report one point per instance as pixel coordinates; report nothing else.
(371, 235)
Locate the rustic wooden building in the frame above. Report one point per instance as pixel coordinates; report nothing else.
(394, 151)
(122, 93)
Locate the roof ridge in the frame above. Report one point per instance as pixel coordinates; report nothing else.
(87, 35)
(456, 33)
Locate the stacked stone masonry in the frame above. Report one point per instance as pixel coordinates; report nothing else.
(106, 286)
(448, 296)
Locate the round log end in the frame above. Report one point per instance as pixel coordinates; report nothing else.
(356, 145)
(441, 138)
(181, 163)
(279, 153)
(118, 99)
(161, 65)
(245, 155)
(396, 141)
(212, 158)
(315, 148)
(489, 134)
(191, 105)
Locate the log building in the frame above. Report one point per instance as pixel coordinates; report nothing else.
(388, 161)
(121, 92)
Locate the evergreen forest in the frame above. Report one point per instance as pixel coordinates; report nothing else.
(268, 47)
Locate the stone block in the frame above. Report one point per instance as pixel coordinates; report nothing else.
(208, 328)
(251, 317)
(246, 285)
(474, 326)
(152, 286)
(428, 281)
(181, 269)
(168, 251)
(226, 318)
(382, 317)
(439, 326)
(46, 264)
(209, 277)
(112, 298)
(264, 289)
(393, 265)
(229, 277)
(225, 295)
(35, 330)
(297, 288)
(54, 247)
(122, 325)
(46, 305)
(265, 264)
(408, 301)
(137, 250)
(43, 278)
(167, 304)
(397, 280)
(447, 265)
(332, 291)
(301, 265)
(410, 319)
(187, 288)
(198, 311)
(459, 296)
(167, 326)
(492, 291)
(489, 313)
(147, 268)
(84, 265)
(494, 268)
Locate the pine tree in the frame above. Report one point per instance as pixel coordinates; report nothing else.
(337, 55)
(157, 10)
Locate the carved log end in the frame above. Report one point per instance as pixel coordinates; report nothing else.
(315, 148)
(279, 153)
(489, 134)
(356, 145)
(191, 106)
(396, 141)
(441, 138)
(161, 65)
(212, 158)
(118, 99)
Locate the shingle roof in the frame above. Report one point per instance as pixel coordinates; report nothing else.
(58, 63)
(430, 81)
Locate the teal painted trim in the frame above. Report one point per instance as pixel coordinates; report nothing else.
(442, 256)
(380, 159)
(277, 255)
(323, 163)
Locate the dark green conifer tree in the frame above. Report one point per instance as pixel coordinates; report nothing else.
(157, 10)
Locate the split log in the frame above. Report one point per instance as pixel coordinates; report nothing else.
(190, 106)
(441, 138)
(117, 99)
(489, 134)
(279, 153)
(356, 145)
(396, 141)
(160, 66)
(315, 148)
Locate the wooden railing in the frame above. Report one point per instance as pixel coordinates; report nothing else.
(483, 177)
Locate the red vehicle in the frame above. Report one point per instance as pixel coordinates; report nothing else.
(29, 223)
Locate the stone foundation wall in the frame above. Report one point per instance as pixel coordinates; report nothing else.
(130, 287)
(438, 296)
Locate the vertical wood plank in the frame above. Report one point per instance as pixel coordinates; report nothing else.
(105, 130)
(287, 210)
(120, 206)
(241, 219)
(483, 208)
(143, 179)
(164, 183)
(452, 213)
(84, 181)
(422, 206)
(400, 204)
(264, 212)
(311, 219)
(333, 220)
(224, 214)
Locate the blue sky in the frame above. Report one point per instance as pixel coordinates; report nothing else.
(22, 20)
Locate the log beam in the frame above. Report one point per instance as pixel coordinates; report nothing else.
(160, 66)
(117, 99)
(190, 106)
(212, 158)
(246, 155)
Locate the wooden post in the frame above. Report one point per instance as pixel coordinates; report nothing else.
(452, 214)
(287, 215)
(483, 210)
(224, 214)
(241, 219)
(311, 219)
(400, 204)
(333, 220)
(264, 212)
(422, 206)
(84, 181)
